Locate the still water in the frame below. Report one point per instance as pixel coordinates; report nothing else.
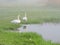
(49, 31)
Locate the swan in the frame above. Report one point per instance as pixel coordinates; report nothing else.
(25, 18)
(16, 21)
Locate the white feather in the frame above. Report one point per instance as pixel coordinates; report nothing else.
(16, 20)
(25, 18)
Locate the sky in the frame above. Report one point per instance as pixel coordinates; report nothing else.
(22, 2)
(56, 2)
(28, 2)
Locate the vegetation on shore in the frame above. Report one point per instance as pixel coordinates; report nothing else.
(35, 16)
(15, 38)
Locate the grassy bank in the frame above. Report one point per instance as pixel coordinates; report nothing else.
(35, 15)
(9, 38)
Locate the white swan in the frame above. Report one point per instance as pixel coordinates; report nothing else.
(25, 18)
(16, 21)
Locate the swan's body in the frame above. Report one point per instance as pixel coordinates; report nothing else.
(16, 21)
(25, 18)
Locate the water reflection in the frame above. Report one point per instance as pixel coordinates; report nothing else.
(49, 31)
(24, 27)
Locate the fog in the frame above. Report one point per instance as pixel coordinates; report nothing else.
(13, 3)
(23, 2)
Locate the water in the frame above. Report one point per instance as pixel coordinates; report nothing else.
(49, 31)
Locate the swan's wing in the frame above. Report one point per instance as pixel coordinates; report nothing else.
(15, 21)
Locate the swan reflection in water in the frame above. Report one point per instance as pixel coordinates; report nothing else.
(25, 28)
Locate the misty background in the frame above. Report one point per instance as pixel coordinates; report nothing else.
(28, 3)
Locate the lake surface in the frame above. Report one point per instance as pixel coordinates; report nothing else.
(49, 31)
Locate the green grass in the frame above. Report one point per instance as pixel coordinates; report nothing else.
(35, 15)
(8, 26)
(14, 38)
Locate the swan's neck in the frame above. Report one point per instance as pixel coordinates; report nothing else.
(25, 14)
(18, 17)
